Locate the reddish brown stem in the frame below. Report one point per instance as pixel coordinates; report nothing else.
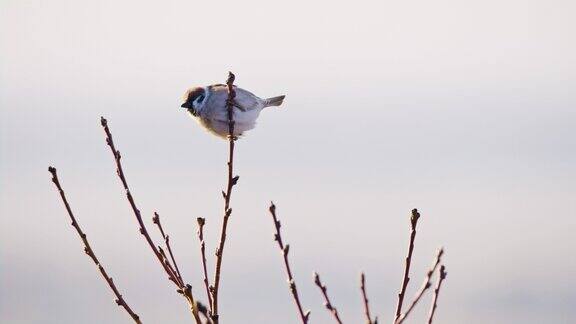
(413, 222)
(156, 220)
(365, 299)
(425, 286)
(88, 249)
(172, 276)
(327, 303)
(441, 278)
(232, 180)
(201, 222)
(284, 249)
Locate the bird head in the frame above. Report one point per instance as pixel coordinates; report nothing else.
(194, 100)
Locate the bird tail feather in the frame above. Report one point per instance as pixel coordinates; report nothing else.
(274, 101)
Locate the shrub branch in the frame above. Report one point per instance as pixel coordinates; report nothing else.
(284, 249)
(425, 286)
(186, 290)
(232, 180)
(441, 278)
(365, 300)
(327, 303)
(156, 220)
(201, 222)
(413, 222)
(88, 249)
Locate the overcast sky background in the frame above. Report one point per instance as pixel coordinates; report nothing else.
(465, 110)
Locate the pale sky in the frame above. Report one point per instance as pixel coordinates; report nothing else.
(464, 110)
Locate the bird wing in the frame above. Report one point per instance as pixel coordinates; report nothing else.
(246, 100)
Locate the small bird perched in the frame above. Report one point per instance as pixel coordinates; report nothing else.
(208, 106)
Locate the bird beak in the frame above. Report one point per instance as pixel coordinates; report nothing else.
(190, 108)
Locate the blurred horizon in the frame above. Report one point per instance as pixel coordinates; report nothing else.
(463, 110)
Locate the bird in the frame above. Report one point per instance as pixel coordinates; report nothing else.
(208, 106)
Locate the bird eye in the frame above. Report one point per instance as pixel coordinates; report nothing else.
(201, 98)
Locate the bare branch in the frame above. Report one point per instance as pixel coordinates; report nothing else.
(186, 290)
(413, 222)
(327, 303)
(156, 220)
(441, 278)
(201, 222)
(425, 286)
(232, 180)
(365, 299)
(88, 249)
(284, 250)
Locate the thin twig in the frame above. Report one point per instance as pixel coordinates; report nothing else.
(413, 222)
(186, 290)
(443, 274)
(425, 286)
(201, 222)
(365, 300)
(284, 249)
(156, 220)
(88, 249)
(327, 303)
(232, 180)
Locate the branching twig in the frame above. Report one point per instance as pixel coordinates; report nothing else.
(365, 300)
(119, 299)
(232, 180)
(201, 222)
(211, 314)
(186, 290)
(327, 303)
(441, 278)
(156, 220)
(413, 223)
(284, 249)
(425, 286)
